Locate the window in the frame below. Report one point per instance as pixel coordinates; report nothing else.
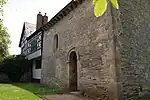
(33, 45)
(39, 45)
(38, 64)
(55, 44)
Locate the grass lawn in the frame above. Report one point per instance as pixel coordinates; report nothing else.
(31, 91)
(24, 91)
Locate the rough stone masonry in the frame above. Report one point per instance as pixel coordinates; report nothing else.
(112, 51)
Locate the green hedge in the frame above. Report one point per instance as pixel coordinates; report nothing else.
(15, 66)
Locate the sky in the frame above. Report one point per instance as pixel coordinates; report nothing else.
(16, 12)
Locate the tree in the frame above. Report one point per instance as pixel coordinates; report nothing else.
(4, 36)
(4, 41)
(2, 2)
(101, 6)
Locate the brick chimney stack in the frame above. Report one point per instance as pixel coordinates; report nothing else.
(45, 19)
(39, 22)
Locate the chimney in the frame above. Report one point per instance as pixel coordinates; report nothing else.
(39, 22)
(45, 19)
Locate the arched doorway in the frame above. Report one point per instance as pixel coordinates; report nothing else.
(73, 71)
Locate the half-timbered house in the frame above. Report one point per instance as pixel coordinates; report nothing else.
(31, 44)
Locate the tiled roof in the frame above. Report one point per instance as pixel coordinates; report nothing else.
(27, 31)
(60, 15)
(29, 28)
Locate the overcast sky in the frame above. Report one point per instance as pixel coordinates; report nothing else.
(16, 12)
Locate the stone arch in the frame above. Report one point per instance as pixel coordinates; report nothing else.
(72, 50)
(72, 63)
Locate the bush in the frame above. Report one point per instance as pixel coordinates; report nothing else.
(26, 77)
(15, 66)
(4, 78)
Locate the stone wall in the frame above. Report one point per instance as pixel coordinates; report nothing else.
(91, 38)
(133, 48)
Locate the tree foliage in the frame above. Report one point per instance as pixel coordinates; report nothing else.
(4, 41)
(4, 36)
(101, 6)
(2, 2)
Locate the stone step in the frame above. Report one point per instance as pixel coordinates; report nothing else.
(75, 93)
(62, 97)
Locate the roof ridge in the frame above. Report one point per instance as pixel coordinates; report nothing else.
(29, 23)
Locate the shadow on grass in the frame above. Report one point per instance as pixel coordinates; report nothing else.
(146, 97)
(37, 89)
